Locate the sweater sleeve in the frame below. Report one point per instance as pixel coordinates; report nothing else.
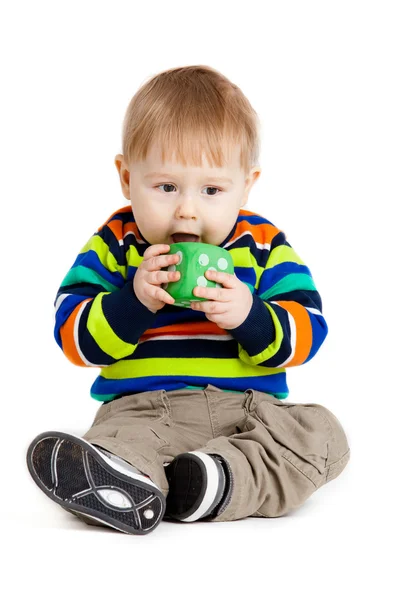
(98, 318)
(285, 326)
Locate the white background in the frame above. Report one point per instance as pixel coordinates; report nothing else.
(324, 79)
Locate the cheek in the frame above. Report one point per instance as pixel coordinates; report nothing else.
(218, 220)
(150, 213)
(151, 221)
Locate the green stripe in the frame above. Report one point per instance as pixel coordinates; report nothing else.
(103, 334)
(243, 258)
(282, 254)
(82, 274)
(294, 281)
(280, 396)
(107, 259)
(214, 367)
(103, 397)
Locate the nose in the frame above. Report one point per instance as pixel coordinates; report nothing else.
(186, 208)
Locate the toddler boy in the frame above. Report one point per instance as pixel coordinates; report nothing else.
(193, 425)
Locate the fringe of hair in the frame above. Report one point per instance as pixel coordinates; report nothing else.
(187, 112)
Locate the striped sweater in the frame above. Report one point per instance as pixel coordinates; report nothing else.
(99, 321)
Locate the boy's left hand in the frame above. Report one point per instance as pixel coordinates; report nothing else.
(230, 305)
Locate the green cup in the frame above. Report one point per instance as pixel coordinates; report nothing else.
(195, 260)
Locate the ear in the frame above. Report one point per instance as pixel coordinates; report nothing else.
(250, 181)
(124, 175)
(252, 177)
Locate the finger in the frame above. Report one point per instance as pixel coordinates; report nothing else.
(226, 279)
(155, 250)
(215, 308)
(156, 263)
(159, 294)
(211, 293)
(156, 277)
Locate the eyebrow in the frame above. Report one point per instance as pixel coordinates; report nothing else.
(167, 176)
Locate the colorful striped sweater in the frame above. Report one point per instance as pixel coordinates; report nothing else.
(99, 321)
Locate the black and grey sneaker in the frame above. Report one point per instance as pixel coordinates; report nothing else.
(200, 486)
(93, 484)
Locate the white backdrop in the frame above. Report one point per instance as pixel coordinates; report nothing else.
(324, 79)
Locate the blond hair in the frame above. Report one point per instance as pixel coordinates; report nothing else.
(188, 111)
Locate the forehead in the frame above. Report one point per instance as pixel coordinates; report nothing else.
(154, 162)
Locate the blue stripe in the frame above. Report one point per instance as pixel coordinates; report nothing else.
(89, 347)
(247, 275)
(272, 276)
(90, 259)
(319, 333)
(113, 244)
(309, 298)
(124, 217)
(198, 348)
(285, 348)
(131, 273)
(254, 219)
(270, 384)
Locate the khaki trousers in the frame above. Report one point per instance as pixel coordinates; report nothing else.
(279, 452)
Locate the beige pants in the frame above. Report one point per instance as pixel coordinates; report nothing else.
(279, 452)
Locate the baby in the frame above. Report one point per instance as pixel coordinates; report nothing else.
(192, 425)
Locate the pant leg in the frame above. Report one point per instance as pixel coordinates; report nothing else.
(280, 454)
(149, 429)
(136, 428)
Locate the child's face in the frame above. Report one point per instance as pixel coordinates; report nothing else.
(180, 199)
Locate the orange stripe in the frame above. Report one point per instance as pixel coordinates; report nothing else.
(124, 209)
(303, 331)
(133, 228)
(67, 337)
(116, 228)
(182, 329)
(263, 233)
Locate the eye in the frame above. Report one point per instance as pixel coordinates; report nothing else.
(162, 185)
(212, 188)
(165, 185)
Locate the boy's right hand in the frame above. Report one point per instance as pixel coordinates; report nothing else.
(148, 277)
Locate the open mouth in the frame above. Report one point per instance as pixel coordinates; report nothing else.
(184, 237)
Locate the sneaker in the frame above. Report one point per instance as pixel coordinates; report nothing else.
(200, 486)
(94, 484)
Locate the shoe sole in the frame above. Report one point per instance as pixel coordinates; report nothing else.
(73, 473)
(197, 472)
